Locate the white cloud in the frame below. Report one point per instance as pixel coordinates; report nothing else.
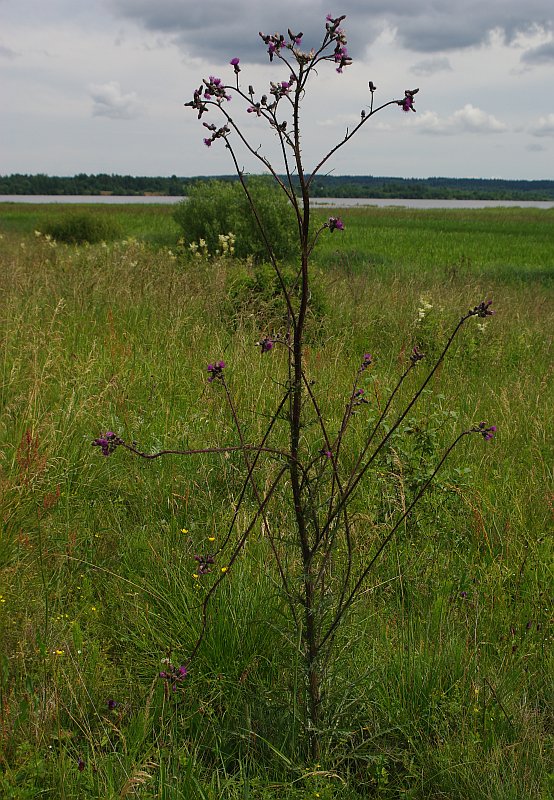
(7, 52)
(466, 120)
(429, 26)
(109, 101)
(544, 127)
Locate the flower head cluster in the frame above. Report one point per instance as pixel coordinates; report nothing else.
(173, 675)
(215, 371)
(211, 89)
(282, 88)
(197, 102)
(486, 431)
(337, 35)
(482, 310)
(265, 344)
(416, 355)
(108, 442)
(217, 133)
(274, 42)
(424, 308)
(204, 564)
(226, 244)
(407, 104)
(335, 224)
(358, 398)
(366, 362)
(295, 38)
(214, 89)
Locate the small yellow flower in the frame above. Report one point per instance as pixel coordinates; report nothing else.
(195, 576)
(93, 608)
(58, 652)
(184, 530)
(224, 569)
(211, 538)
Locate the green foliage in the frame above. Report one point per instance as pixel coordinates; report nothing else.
(254, 293)
(444, 685)
(81, 228)
(221, 207)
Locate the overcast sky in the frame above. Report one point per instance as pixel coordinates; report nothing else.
(100, 85)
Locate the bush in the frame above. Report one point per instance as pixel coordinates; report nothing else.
(78, 228)
(256, 293)
(220, 207)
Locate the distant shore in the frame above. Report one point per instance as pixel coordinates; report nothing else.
(350, 187)
(317, 202)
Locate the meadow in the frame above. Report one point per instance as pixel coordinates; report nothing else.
(442, 686)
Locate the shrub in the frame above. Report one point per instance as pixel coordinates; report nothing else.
(78, 228)
(220, 207)
(256, 293)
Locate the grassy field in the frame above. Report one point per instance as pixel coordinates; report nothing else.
(442, 684)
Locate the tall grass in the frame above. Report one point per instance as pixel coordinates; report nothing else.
(444, 683)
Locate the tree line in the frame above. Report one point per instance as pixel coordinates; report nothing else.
(357, 186)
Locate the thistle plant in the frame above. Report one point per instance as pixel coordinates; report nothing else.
(321, 570)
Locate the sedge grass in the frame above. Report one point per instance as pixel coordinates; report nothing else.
(442, 686)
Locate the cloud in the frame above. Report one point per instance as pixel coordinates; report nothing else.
(544, 54)
(466, 120)
(535, 147)
(544, 127)
(7, 52)
(430, 66)
(109, 101)
(219, 29)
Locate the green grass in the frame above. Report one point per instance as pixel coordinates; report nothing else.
(442, 684)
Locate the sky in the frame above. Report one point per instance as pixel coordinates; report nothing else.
(90, 86)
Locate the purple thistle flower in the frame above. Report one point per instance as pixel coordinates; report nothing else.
(265, 344)
(208, 142)
(204, 564)
(482, 310)
(215, 371)
(112, 704)
(234, 62)
(367, 361)
(80, 765)
(416, 355)
(486, 431)
(274, 43)
(335, 224)
(490, 433)
(107, 443)
(407, 104)
(173, 675)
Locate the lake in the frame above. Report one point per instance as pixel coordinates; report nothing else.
(319, 202)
